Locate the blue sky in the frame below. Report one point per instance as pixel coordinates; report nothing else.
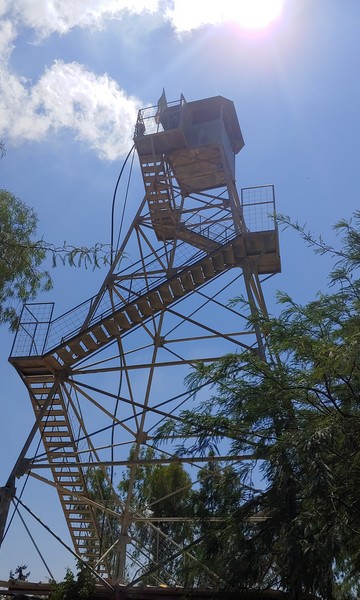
(73, 75)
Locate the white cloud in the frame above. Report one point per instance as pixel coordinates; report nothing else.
(60, 16)
(187, 15)
(46, 17)
(8, 35)
(94, 107)
(67, 96)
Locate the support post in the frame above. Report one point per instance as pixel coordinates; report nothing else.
(7, 493)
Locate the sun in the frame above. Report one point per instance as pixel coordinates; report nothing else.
(254, 14)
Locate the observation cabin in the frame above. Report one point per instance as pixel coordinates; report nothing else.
(199, 139)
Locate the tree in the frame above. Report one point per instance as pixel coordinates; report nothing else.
(160, 491)
(19, 573)
(22, 274)
(214, 502)
(75, 587)
(100, 488)
(298, 415)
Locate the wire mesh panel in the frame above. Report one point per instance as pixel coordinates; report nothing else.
(258, 205)
(33, 329)
(154, 119)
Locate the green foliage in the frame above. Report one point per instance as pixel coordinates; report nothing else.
(22, 275)
(215, 502)
(298, 416)
(75, 587)
(154, 485)
(100, 489)
(159, 491)
(19, 573)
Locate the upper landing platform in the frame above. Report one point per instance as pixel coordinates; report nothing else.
(191, 135)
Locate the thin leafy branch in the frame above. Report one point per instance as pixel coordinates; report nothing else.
(22, 257)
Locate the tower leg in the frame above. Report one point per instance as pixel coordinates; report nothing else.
(7, 493)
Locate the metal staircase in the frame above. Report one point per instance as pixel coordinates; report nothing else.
(259, 248)
(59, 444)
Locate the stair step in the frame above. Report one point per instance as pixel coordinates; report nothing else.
(144, 307)
(100, 334)
(52, 413)
(55, 400)
(60, 445)
(161, 186)
(165, 294)
(198, 275)
(133, 314)
(67, 469)
(176, 288)
(55, 455)
(73, 488)
(122, 321)
(40, 390)
(57, 434)
(208, 268)
(150, 169)
(155, 301)
(54, 423)
(111, 327)
(187, 281)
(77, 349)
(77, 510)
(65, 356)
(218, 262)
(89, 342)
(71, 479)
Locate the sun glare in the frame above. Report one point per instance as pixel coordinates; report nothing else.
(255, 14)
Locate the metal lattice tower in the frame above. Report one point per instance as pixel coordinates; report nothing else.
(104, 375)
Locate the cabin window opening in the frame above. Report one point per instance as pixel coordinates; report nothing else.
(204, 115)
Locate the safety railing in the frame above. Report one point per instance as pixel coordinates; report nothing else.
(153, 119)
(258, 207)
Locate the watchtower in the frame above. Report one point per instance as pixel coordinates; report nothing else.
(193, 244)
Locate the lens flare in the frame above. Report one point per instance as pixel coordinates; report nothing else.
(254, 14)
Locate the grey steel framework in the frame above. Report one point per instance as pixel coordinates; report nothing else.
(102, 377)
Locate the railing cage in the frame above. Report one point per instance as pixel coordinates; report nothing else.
(152, 119)
(33, 329)
(258, 206)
